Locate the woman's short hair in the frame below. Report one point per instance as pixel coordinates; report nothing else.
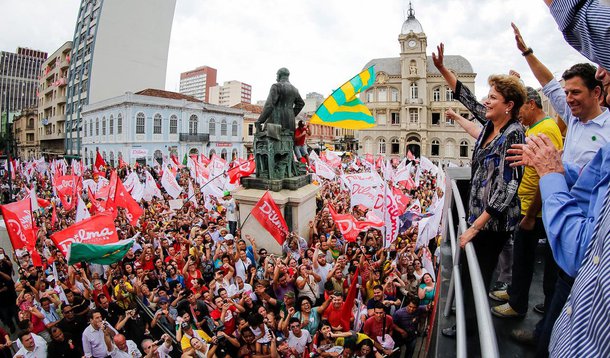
(511, 88)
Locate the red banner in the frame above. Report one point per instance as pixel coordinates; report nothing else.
(100, 163)
(66, 188)
(18, 220)
(269, 215)
(98, 230)
(350, 227)
(244, 169)
(125, 200)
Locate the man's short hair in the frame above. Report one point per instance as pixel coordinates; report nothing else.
(412, 299)
(379, 305)
(533, 95)
(586, 72)
(378, 287)
(21, 334)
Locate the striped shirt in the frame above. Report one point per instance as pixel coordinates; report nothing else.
(585, 26)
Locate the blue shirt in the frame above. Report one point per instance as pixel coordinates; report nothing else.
(585, 27)
(570, 206)
(583, 139)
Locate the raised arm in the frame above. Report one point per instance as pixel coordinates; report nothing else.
(540, 71)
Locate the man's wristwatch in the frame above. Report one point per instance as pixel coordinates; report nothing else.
(529, 51)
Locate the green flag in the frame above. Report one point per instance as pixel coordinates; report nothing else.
(99, 254)
(185, 159)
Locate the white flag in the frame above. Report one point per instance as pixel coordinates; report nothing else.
(82, 212)
(169, 183)
(325, 171)
(192, 197)
(150, 188)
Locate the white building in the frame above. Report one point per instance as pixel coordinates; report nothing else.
(118, 46)
(231, 93)
(409, 100)
(150, 124)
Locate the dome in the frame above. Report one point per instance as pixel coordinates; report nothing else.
(411, 23)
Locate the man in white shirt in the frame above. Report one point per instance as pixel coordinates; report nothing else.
(229, 204)
(322, 268)
(298, 339)
(124, 348)
(97, 342)
(242, 264)
(153, 350)
(32, 347)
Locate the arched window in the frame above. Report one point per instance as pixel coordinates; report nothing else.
(173, 124)
(381, 146)
(394, 95)
(140, 123)
(395, 146)
(436, 94)
(91, 128)
(211, 153)
(223, 127)
(382, 94)
(103, 125)
(448, 94)
(157, 124)
(212, 127)
(370, 95)
(464, 148)
(97, 126)
(158, 156)
(111, 125)
(436, 148)
(119, 124)
(234, 129)
(223, 154)
(234, 155)
(414, 90)
(105, 156)
(193, 122)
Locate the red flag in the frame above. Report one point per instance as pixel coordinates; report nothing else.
(348, 305)
(125, 200)
(369, 158)
(18, 220)
(100, 163)
(98, 230)
(244, 169)
(269, 215)
(96, 206)
(203, 160)
(66, 188)
(122, 162)
(346, 224)
(401, 200)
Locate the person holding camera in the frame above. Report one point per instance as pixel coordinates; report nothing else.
(124, 348)
(300, 136)
(158, 349)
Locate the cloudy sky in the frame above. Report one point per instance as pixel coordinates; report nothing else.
(322, 42)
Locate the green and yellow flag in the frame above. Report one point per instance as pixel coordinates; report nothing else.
(343, 109)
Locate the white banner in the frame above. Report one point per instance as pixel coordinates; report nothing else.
(169, 183)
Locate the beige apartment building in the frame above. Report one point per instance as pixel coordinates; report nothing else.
(25, 134)
(231, 93)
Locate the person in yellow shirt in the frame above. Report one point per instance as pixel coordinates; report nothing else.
(531, 228)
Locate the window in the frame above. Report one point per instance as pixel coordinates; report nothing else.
(370, 96)
(464, 148)
(212, 127)
(157, 124)
(382, 95)
(91, 128)
(381, 146)
(436, 148)
(436, 94)
(140, 123)
(193, 122)
(394, 95)
(395, 118)
(368, 145)
(223, 127)
(413, 115)
(173, 124)
(103, 125)
(112, 159)
(97, 126)
(234, 129)
(111, 125)
(119, 124)
(436, 118)
(448, 94)
(395, 146)
(250, 128)
(414, 91)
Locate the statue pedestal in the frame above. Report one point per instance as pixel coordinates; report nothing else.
(297, 206)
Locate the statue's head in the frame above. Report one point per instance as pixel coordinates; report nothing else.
(282, 73)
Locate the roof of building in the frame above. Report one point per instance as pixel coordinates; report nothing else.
(248, 107)
(391, 65)
(411, 23)
(166, 94)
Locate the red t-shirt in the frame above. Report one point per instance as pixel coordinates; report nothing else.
(229, 322)
(374, 328)
(335, 317)
(299, 141)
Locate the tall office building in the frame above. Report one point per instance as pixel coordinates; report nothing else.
(18, 81)
(118, 46)
(52, 91)
(197, 83)
(231, 93)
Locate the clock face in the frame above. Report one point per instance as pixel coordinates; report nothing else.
(412, 43)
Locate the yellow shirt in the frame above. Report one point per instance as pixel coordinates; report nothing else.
(529, 183)
(185, 342)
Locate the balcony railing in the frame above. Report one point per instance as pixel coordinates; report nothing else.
(199, 137)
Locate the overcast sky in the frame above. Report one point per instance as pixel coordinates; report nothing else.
(322, 42)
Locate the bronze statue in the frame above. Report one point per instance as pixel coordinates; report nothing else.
(283, 103)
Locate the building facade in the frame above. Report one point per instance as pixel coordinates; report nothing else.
(251, 114)
(409, 100)
(118, 46)
(231, 93)
(19, 73)
(197, 83)
(150, 124)
(25, 134)
(52, 95)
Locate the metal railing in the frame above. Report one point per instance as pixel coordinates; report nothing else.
(487, 334)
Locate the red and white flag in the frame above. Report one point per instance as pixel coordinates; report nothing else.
(270, 217)
(100, 163)
(124, 200)
(66, 189)
(244, 169)
(333, 159)
(150, 188)
(170, 184)
(324, 170)
(98, 230)
(346, 224)
(82, 212)
(19, 225)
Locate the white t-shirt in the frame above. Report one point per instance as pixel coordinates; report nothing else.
(299, 343)
(323, 271)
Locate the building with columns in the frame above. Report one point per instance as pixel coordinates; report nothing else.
(409, 100)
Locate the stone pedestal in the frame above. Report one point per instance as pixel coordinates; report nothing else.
(297, 206)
